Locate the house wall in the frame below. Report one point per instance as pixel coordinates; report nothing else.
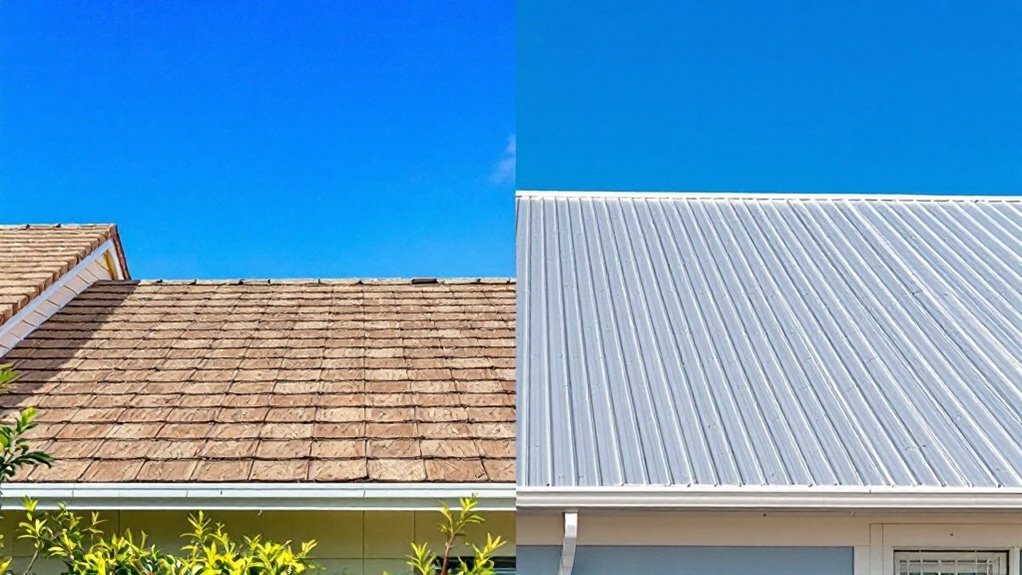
(350, 543)
(619, 560)
(867, 539)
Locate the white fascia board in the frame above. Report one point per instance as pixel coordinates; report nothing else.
(627, 194)
(258, 496)
(769, 497)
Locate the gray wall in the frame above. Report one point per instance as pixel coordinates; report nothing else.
(543, 560)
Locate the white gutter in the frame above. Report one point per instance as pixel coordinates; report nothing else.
(568, 546)
(770, 497)
(258, 496)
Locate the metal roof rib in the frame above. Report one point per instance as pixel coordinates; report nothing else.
(769, 341)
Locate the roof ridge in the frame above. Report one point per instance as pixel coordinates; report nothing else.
(765, 196)
(56, 226)
(324, 281)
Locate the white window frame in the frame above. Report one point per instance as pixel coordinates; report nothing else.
(890, 539)
(952, 562)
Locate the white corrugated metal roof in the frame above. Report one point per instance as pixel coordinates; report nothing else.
(769, 340)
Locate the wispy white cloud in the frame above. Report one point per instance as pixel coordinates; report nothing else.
(504, 171)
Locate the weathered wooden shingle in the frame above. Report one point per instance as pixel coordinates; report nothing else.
(275, 381)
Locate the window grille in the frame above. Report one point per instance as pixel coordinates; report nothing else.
(923, 562)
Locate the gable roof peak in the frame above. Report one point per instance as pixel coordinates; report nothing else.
(37, 263)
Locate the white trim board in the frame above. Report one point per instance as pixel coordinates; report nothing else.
(258, 496)
(770, 497)
(60, 292)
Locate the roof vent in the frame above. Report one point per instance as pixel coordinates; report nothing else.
(424, 281)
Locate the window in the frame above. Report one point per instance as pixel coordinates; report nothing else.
(951, 562)
(501, 565)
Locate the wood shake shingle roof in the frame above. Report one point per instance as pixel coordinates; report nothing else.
(336, 381)
(33, 257)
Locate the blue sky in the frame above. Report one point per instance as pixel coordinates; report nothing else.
(341, 139)
(266, 139)
(905, 97)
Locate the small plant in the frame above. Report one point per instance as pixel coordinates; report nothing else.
(7, 375)
(15, 450)
(84, 549)
(425, 561)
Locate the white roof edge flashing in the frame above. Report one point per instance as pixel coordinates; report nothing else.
(638, 194)
(259, 496)
(796, 497)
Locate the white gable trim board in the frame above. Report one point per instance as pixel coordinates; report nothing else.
(101, 264)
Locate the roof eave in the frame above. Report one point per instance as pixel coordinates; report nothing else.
(823, 498)
(259, 496)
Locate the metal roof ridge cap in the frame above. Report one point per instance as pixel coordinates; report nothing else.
(765, 196)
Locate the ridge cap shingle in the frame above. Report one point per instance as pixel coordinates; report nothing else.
(58, 226)
(322, 281)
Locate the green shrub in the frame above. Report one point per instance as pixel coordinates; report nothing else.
(15, 450)
(84, 549)
(425, 561)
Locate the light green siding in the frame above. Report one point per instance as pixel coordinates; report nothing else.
(350, 542)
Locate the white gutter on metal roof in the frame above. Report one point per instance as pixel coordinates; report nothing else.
(770, 497)
(259, 496)
(568, 546)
